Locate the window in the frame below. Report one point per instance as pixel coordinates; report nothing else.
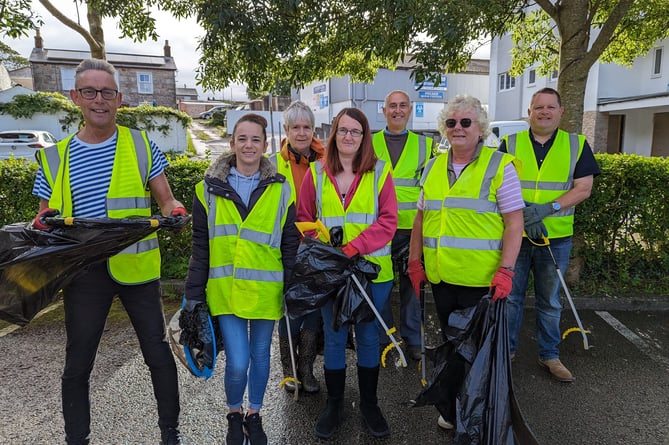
(67, 78)
(657, 63)
(144, 83)
(531, 77)
(554, 75)
(506, 82)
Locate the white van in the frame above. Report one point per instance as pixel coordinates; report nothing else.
(499, 129)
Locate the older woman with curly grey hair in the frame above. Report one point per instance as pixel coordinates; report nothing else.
(468, 228)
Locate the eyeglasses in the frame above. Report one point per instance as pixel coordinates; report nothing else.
(342, 131)
(91, 93)
(464, 123)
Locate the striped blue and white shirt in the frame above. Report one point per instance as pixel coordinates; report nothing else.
(90, 175)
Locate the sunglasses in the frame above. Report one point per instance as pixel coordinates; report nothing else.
(464, 123)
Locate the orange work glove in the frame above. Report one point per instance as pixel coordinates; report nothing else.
(501, 283)
(349, 250)
(416, 275)
(38, 222)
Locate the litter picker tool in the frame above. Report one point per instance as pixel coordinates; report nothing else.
(293, 379)
(383, 324)
(586, 346)
(423, 378)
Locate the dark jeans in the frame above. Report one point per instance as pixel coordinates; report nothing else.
(87, 303)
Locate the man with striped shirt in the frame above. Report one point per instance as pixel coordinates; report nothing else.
(109, 171)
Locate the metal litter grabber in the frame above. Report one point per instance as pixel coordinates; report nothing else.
(423, 373)
(291, 348)
(580, 328)
(389, 332)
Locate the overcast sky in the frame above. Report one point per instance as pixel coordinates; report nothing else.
(182, 37)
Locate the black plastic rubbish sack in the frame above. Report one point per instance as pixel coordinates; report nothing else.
(475, 365)
(36, 264)
(321, 272)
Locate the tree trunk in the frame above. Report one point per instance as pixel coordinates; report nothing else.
(95, 27)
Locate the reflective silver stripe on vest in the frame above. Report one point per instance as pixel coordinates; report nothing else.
(139, 202)
(406, 206)
(470, 243)
(225, 230)
(405, 182)
(274, 276)
(360, 218)
(478, 205)
(333, 221)
(221, 271)
(422, 154)
(142, 155)
(432, 204)
(430, 242)
(489, 175)
(545, 185)
(211, 216)
(142, 246)
(52, 160)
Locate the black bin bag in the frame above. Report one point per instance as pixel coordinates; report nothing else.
(474, 366)
(322, 272)
(36, 264)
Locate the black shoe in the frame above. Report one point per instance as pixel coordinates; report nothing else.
(253, 429)
(170, 436)
(330, 418)
(413, 351)
(235, 434)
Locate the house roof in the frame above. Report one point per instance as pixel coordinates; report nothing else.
(72, 57)
(187, 92)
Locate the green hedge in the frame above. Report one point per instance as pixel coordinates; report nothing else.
(621, 231)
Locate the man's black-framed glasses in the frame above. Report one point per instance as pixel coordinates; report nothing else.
(464, 123)
(91, 93)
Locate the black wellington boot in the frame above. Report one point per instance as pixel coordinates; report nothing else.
(305, 361)
(368, 379)
(332, 415)
(286, 364)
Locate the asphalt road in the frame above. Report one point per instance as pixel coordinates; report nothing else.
(621, 395)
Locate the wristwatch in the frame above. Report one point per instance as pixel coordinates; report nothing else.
(556, 206)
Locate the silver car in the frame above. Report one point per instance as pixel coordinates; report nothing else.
(24, 143)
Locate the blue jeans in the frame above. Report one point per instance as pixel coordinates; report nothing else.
(538, 260)
(366, 334)
(247, 352)
(409, 305)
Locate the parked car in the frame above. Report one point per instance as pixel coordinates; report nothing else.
(24, 143)
(207, 114)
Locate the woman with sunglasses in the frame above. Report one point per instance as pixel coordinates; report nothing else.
(469, 227)
(353, 189)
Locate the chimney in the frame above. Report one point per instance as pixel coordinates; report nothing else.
(167, 50)
(39, 43)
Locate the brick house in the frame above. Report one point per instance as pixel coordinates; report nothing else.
(141, 78)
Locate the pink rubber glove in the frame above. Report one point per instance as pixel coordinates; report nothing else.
(416, 276)
(349, 250)
(38, 222)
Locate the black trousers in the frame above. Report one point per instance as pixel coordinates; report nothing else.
(87, 301)
(449, 298)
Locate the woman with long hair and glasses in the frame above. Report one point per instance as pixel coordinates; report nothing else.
(353, 189)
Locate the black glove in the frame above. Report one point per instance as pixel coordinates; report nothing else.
(536, 230)
(535, 213)
(197, 334)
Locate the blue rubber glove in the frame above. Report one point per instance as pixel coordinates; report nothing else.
(535, 213)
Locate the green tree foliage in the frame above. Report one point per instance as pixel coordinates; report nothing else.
(11, 58)
(17, 18)
(305, 40)
(301, 41)
(133, 18)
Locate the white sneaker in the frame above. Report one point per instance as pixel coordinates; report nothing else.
(445, 424)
